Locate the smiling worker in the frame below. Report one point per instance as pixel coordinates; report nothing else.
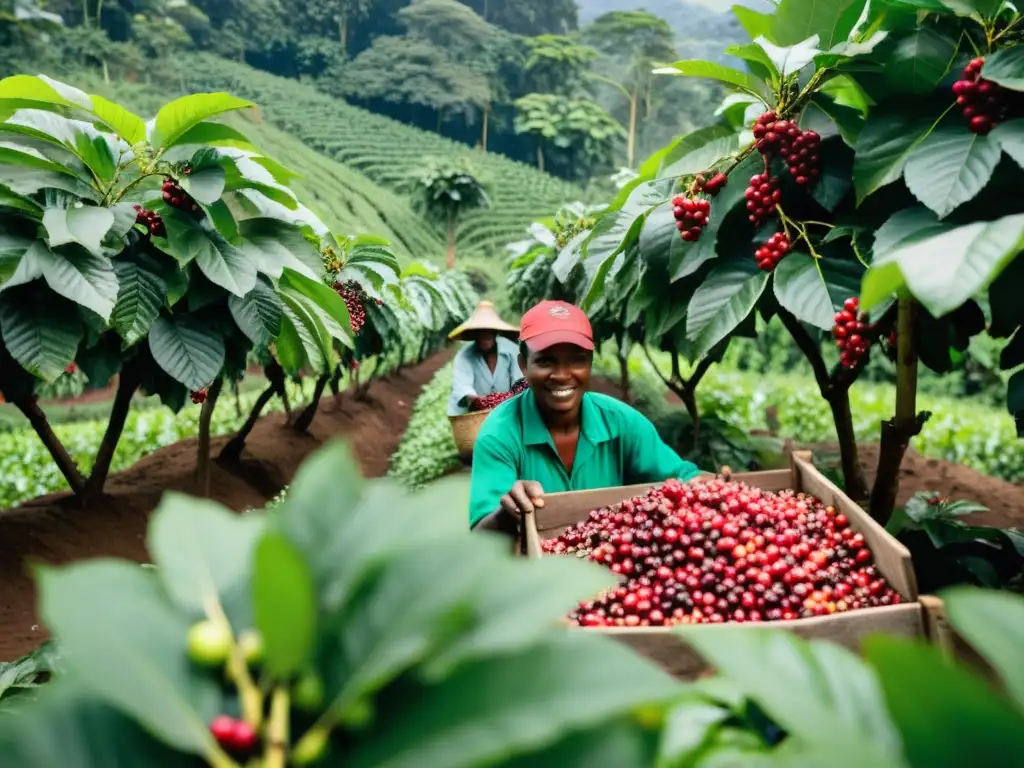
(556, 436)
(485, 366)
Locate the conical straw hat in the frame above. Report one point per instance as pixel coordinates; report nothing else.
(484, 318)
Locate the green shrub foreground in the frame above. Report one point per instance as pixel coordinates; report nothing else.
(330, 638)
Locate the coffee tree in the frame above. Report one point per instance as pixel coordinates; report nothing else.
(160, 251)
(859, 184)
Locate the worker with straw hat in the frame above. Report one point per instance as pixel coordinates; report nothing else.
(488, 364)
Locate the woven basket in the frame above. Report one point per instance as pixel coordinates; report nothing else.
(464, 429)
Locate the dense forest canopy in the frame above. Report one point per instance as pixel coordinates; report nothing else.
(561, 84)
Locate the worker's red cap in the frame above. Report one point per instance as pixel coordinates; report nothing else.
(555, 322)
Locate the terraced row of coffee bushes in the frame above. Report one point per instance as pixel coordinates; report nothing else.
(383, 149)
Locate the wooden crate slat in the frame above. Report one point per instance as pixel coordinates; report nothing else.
(671, 652)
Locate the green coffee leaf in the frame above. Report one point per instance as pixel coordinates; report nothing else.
(202, 550)
(993, 623)
(189, 350)
(950, 167)
(723, 301)
(131, 651)
(814, 289)
(886, 141)
(284, 605)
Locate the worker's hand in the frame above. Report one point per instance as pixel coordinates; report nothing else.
(525, 497)
(473, 402)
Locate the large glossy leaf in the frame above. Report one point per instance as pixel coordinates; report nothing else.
(814, 289)
(284, 605)
(303, 339)
(699, 151)
(86, 226)
(817, 692)
(43, 90)
(608, 745)
(723, 301)
(42, 336)
(950, 167)
(993, 623)
(393, 623)
(131, 651)
(127, 125)
(906, 227)
(503, 622)
(258, 313)
(1010, 137)
(186, 238)
(74, 729)
(202, 550)
(493, 709)
(205, 185)
(177, 117)
(790, 59)
(977, 9)
(884, 144)
(710, 70)
(216, 134)
(972, 257)
(141, 294)
(919, 61)
(187, 349)
(85, 278)
(946, 715)
(275, 245)
(225, 265)
(830, 20)
(1006, 67)
(333, 310)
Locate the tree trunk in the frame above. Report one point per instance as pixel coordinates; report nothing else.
(685, 389)
(99, 14)
(275, 375)
(232, 451)
(907, 423)
(238, 398)
(203, 463)
(306, 417)
(241, 51)
(106, 71)
(483, 132)
(85, 13)
(540, 156)
(856, 485)
(343, 33)
(837, 395)
(30, 408)
(631, 138)
(451, 240)
(127, 384)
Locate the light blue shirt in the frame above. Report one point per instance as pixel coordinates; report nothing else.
(471, 376)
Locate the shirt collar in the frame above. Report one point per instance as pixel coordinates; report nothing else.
(535, 432)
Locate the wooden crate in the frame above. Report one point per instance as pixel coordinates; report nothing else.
(916, 617)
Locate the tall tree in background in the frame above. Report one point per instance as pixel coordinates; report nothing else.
(579, 128)
(336, 14)
(482, 48)
(444, 189)
(631, 43)
(529, 17)
(414, 71)
(557, 64)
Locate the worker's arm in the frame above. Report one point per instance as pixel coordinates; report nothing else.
(462, 385)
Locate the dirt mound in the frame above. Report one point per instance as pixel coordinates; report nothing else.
(55, 530)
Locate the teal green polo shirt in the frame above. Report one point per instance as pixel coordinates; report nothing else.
(618, 446)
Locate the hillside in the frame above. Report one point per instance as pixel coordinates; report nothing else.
(386, 152)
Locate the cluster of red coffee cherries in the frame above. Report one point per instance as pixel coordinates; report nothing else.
(799, 148)
(692, 215)
(151, 220)
(771, 253)
(176, 197)
(717, 550)
(850, 333)
(355, 300)
(985, 104)
(235, 736)
(495, 399)
(198, 396)
(763, 197)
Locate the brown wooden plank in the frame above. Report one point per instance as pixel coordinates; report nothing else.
(937, 628)
(669, 651)
(893, 559)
